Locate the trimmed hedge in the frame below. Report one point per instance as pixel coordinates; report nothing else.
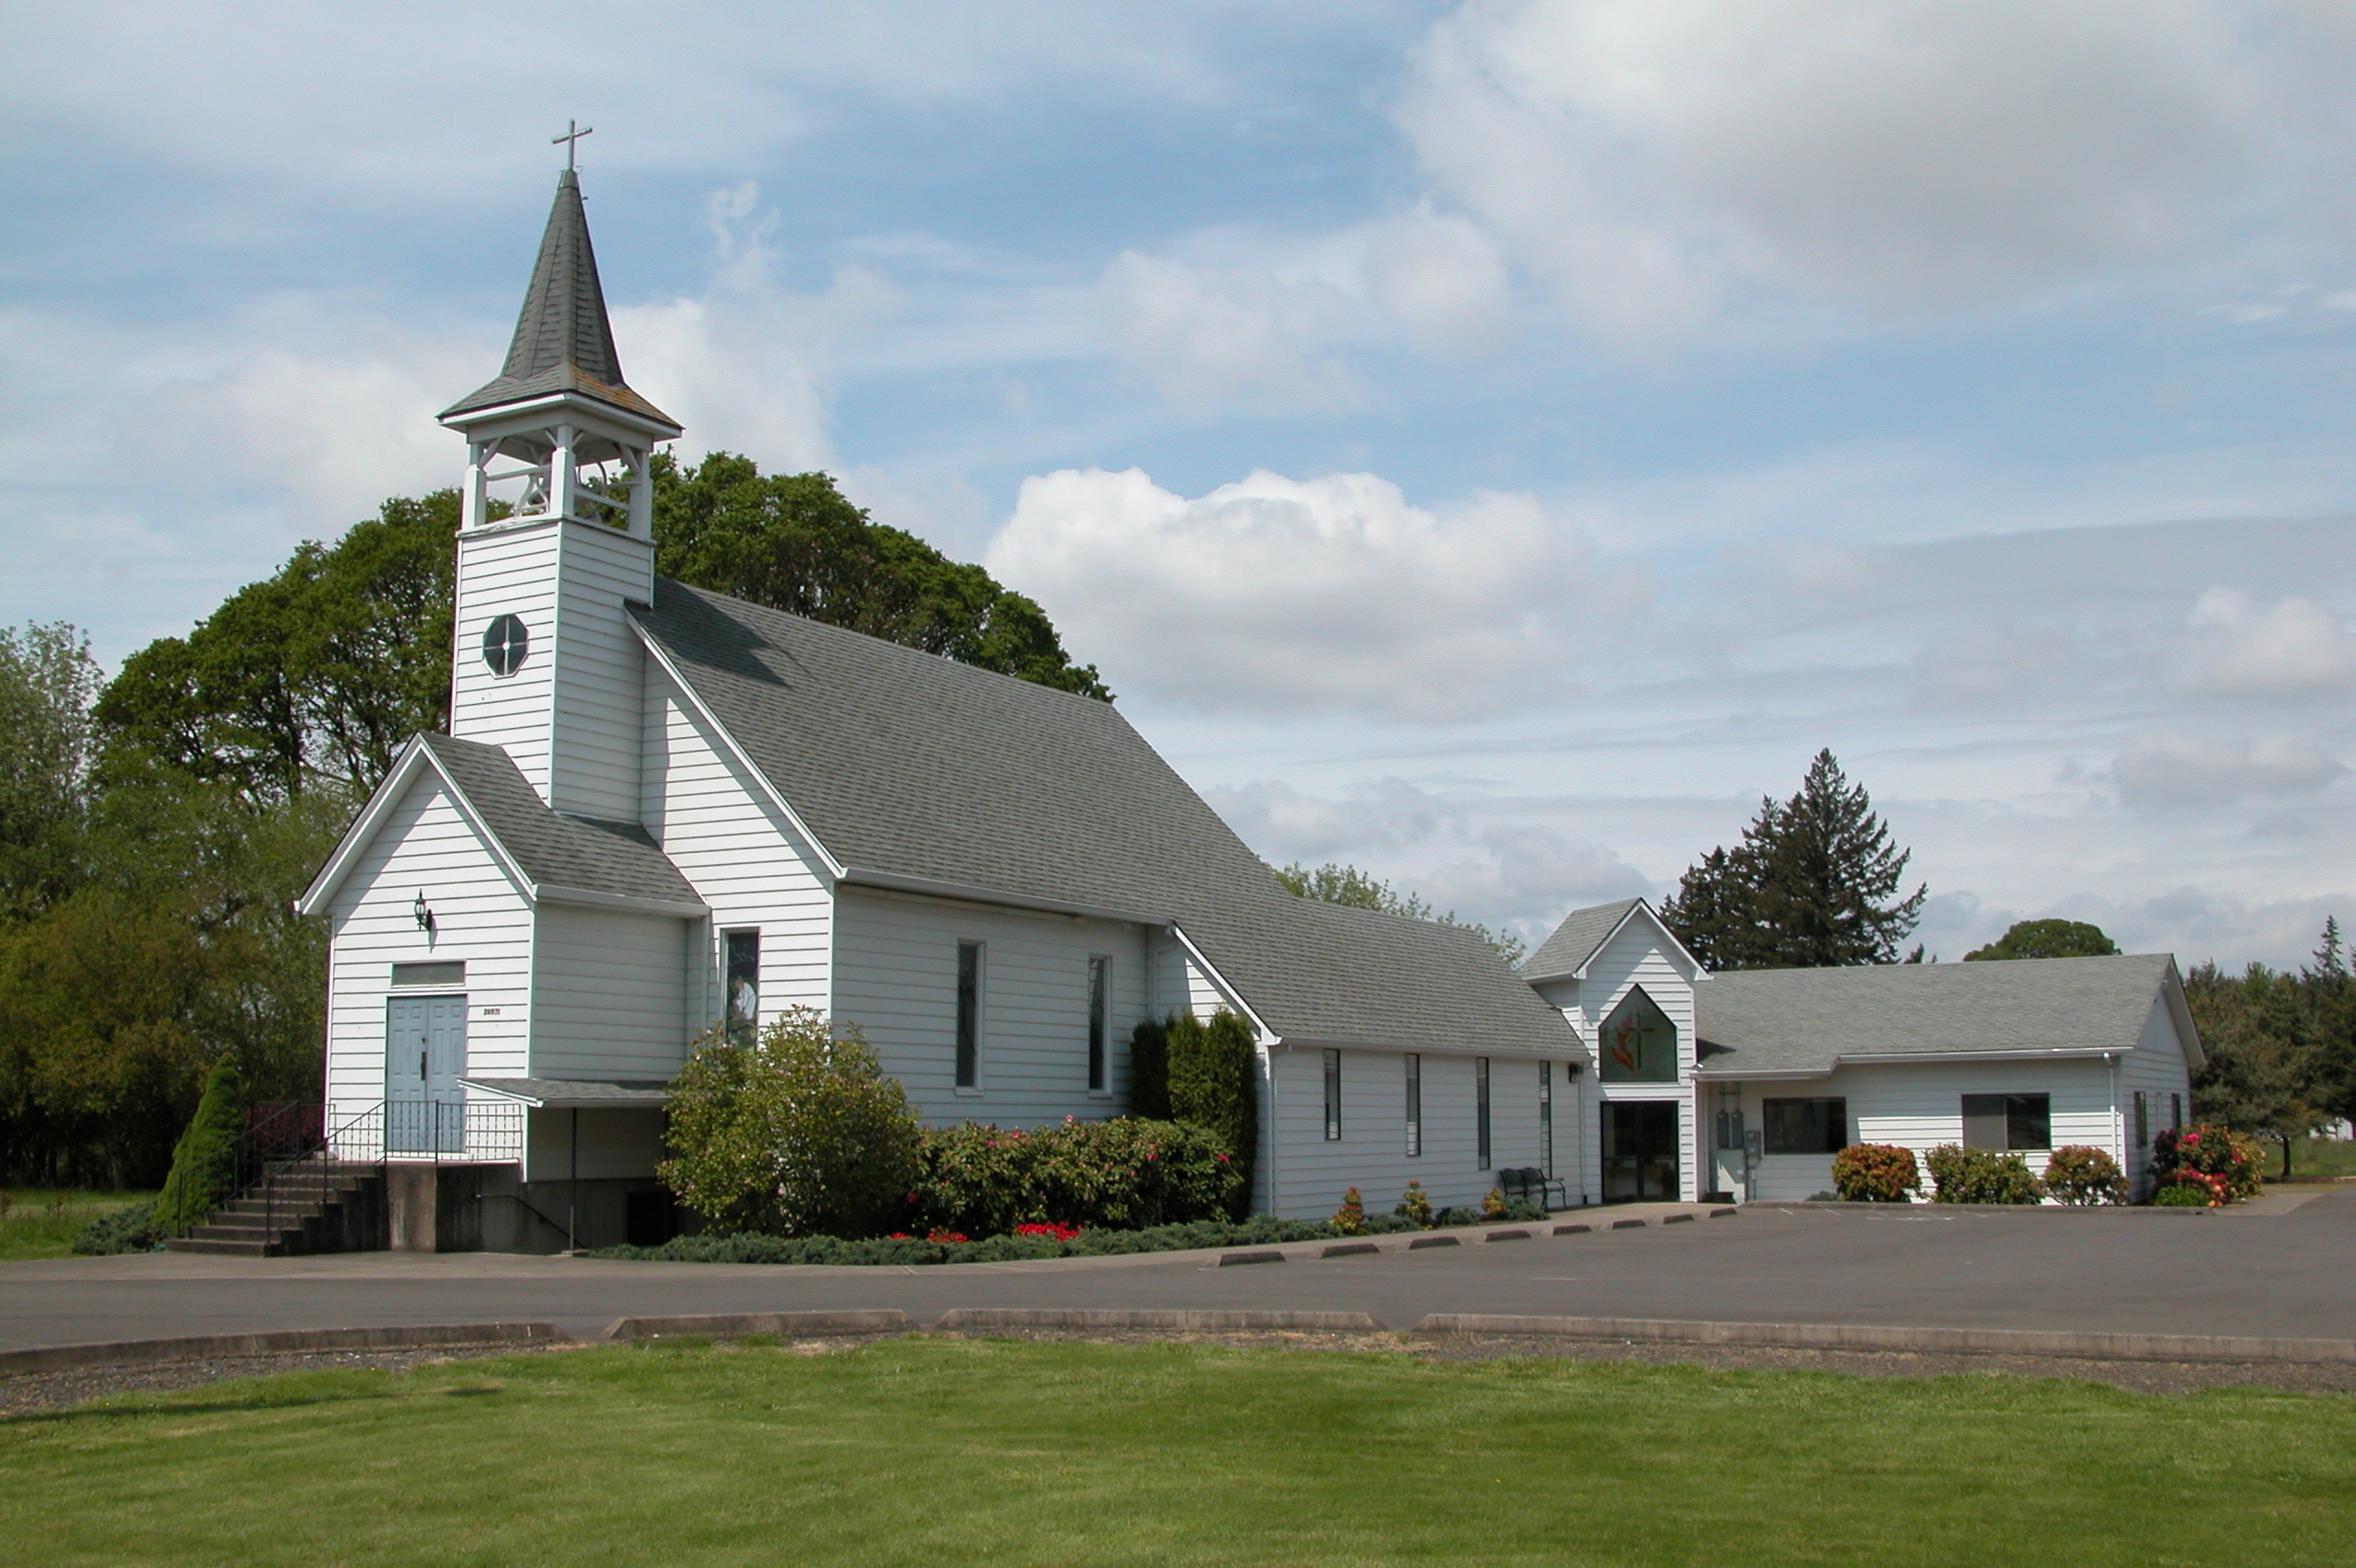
(1259, 1231)
(1125, 1174)
(1961, 1175)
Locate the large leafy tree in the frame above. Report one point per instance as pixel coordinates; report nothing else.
(1815, 883)
(2281, 1045)
(2046, 939)
(1334, 883)
(47, 681)
(795, 543)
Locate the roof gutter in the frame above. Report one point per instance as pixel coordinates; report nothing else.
(1908, 1058)
(967, 893)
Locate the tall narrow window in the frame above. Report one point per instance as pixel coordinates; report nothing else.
(2142, 1119)
(1480, 1109)
(1100, 982)
(1546, 1117)
(1414, 1104)
(744, 986)
(969, 1014)
(1332, 1095)
(2175, 1113)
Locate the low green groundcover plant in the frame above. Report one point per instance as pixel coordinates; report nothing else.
(1961, 1175)
(947, 1450)
(2178, 1195)
(1876, 1173)
(130, 1228)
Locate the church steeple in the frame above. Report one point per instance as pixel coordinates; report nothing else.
(559, 403)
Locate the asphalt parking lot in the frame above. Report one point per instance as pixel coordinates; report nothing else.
(2278, 1268)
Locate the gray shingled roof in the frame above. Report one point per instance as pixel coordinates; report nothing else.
(1576, 939)
(581, 1093)
(1805, 1020)
(911, 765)
(563, 341)
(549, 847)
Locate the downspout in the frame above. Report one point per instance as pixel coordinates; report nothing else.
(572, 1188)
(2118, 1115)
(1276, 1188)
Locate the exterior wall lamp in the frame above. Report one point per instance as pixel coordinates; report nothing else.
(425, 916)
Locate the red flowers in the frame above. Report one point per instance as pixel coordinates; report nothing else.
(1051, 1230)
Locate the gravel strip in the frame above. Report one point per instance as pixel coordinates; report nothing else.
(38, 1391)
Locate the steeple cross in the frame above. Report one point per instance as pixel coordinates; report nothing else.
(573, 132)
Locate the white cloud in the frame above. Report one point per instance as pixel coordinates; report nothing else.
(1209, 337)
(2293, 647)
(1894, 155)
(2165, 772)
(1529, 876)
(1287, 595)
(1284, 824)
(1442, 277)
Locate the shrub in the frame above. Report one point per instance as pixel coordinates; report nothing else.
(1876, 1173)
(2175, 1195)
(1150, 1070)
(797, 1134)
(1123, 1175)
(1961, 1175)
(1492, 1204)
(1350, 1218)
(2082, 1175)
(1416, 1204)
(204, 1162)
(2212, 1151)
(747, 1248)
(1387, 1224)
(131, 1229)
(1215, 1083)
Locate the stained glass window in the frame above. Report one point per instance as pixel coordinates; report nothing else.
(1639, 1042)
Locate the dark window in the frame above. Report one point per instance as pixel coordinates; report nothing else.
(1100, 974)
(1546, 1117)
(1639, 1042)
(2007, 1121)
(1414, 1104)
(2175, 1113)
(2142, 1119)
(743, 985)
(969, 1014)
(1480, 1109)
(504, 644)
(448, 973)
(1332, 1095)
(1806, 1126)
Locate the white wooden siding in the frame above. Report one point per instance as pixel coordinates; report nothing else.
(1919, 1106)
(607, 994)
(1313, 1173)
(1634, 956)
(508, 569)
(2158, 1068)
(896, 977)
(601, 674)
(741, 855)
(480, 916)
(612, 1142)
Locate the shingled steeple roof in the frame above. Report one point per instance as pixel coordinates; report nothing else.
(564, 342)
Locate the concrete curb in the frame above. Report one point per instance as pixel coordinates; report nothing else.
(972, 1319)
(284, 1342)
(885, 1321)
(1832, 1205)
(1844, 1336)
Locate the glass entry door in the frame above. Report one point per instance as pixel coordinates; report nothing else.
(1640, 1151)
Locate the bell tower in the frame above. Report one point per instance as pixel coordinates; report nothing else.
(546, 664)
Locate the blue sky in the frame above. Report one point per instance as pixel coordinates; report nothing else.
(1491, 444)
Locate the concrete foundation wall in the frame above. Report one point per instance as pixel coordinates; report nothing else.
(488, 1208)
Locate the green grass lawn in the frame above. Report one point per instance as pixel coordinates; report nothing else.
(41, 1222)
(947, 1451)
(2315, 1157)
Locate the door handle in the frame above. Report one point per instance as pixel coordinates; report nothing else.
(421, 1066)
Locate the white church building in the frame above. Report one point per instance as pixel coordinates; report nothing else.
(660, 808)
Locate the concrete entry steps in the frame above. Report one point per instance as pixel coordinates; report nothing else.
(315, 1208)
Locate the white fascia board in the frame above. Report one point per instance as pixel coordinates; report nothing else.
(508, 419)
(414, 759)
(1763, 1075)
(964, 893)
(1422, 1048)
(2188, 1032)
(1268, 1035)
(1693, 970)
(1908, 1058)
(722, 735)
(545, 893)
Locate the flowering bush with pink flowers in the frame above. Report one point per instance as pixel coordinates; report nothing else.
(2229, 1158)
(1122, 1175)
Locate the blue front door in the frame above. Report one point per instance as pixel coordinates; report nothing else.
(426, 1052)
